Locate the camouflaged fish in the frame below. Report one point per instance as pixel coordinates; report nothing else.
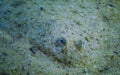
(57, 40)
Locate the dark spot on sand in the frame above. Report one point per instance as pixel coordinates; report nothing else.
(32, 49)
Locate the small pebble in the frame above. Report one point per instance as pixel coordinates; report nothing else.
(69, 62)
(87, 39)
(32, 50)
(42, 8)
(110, 5)
(106, 68)
(84, 71)
(5, 54)
(24, 68)
(115, 52)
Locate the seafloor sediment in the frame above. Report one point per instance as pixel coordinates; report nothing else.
(59, 37)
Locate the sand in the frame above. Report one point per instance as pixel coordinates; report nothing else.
(95, 23)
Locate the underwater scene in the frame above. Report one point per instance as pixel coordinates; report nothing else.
(59, 37)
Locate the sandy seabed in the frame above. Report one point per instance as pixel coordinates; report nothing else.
(28, 30)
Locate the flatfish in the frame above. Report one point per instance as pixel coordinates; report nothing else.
(57, 40)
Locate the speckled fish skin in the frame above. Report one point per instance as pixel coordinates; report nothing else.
(55, 40)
